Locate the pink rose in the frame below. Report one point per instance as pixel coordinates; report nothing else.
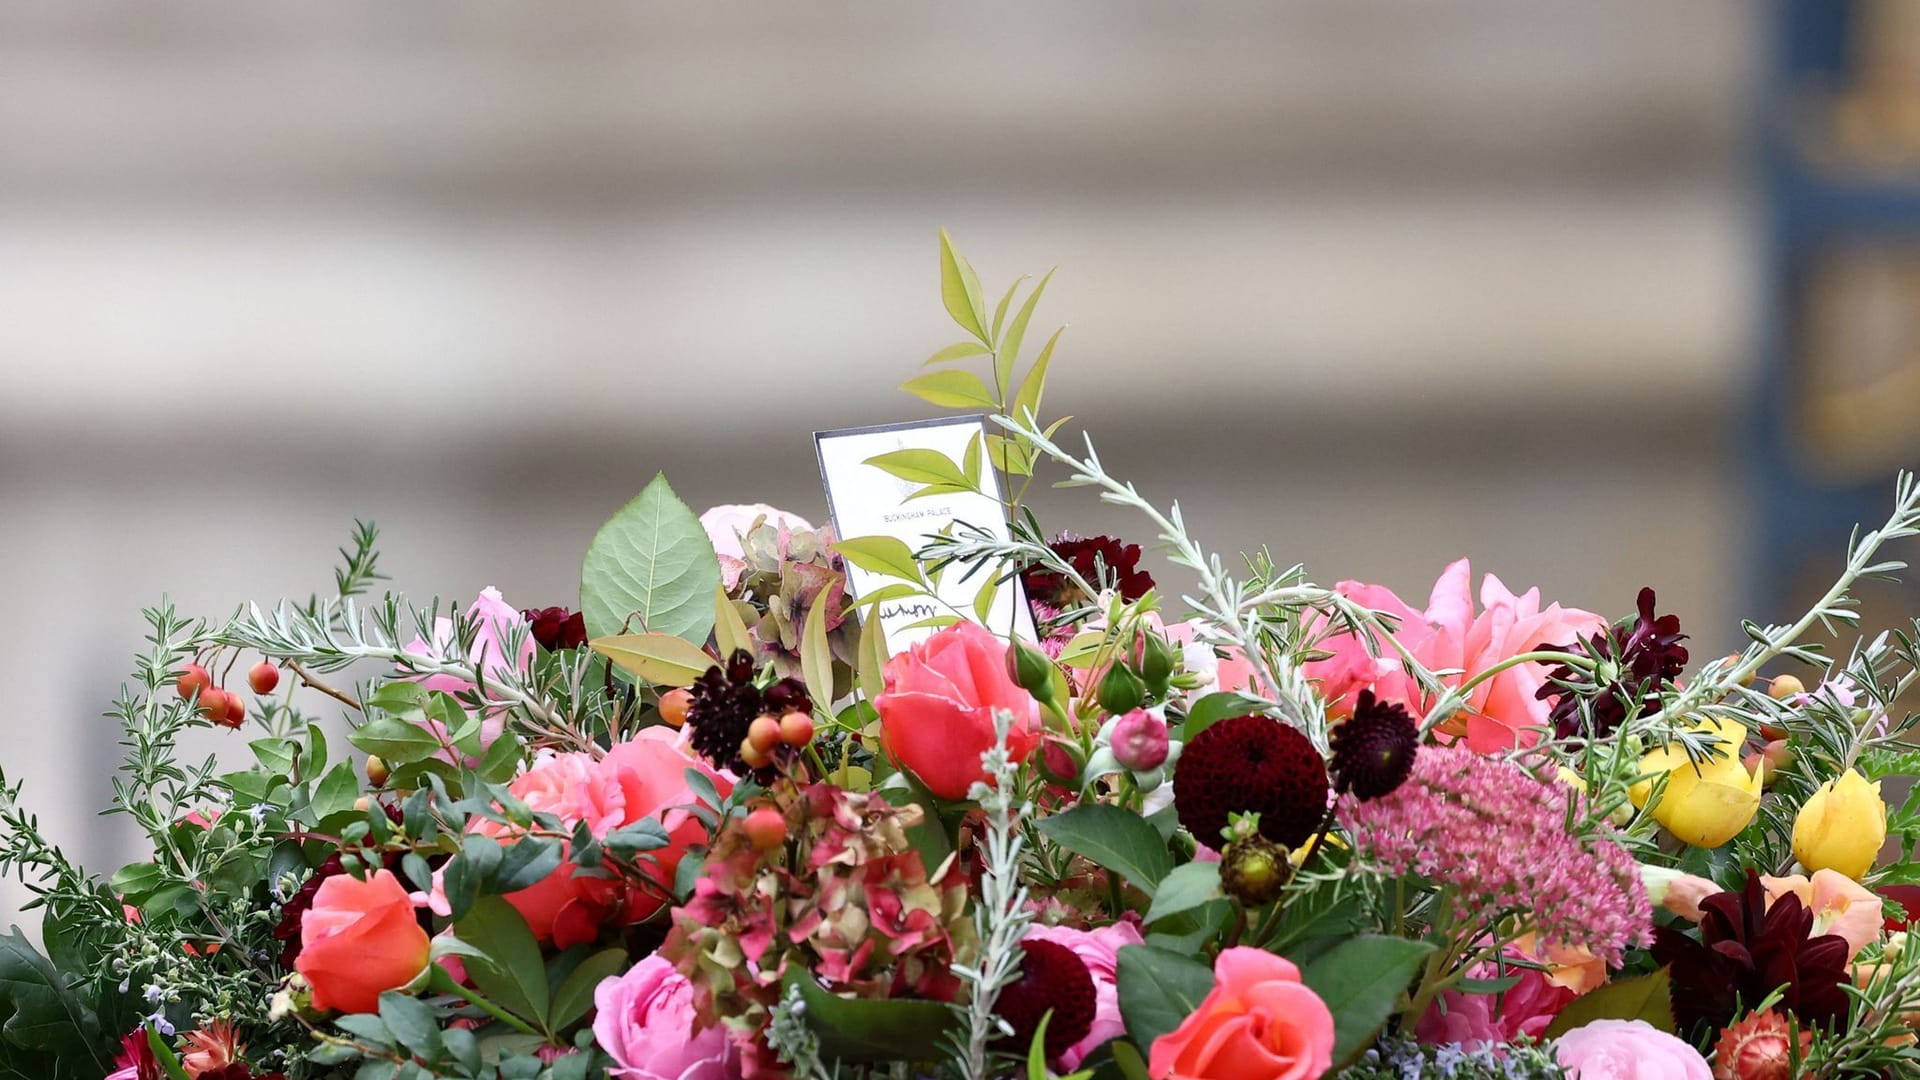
(493, 618)
(1449, 635)
(1258, 1023)
(1099, 950)
(645, 1020)
(1524, 1010)
(1628, 1050)
(937, 710)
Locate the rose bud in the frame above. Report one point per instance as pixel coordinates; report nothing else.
(1140, 741)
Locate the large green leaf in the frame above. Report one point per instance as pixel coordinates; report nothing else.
(41, 1012)
(651, 563)
(1119, 840)
(575, 994)
(864, 1030)
(1158, 990)
(1647, 997)
(1361, 980)
(1187, 887)
(661, 659)
(396, 741)
(502, 957)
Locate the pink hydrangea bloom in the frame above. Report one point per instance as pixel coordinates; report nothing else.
(1100, 951)
(645, 1020)
(1450, 635)
(1498, 836)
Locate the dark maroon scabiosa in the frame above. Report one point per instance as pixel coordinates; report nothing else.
(1373, 749)
(724, 702)
(1637, 657)
(1101, 561)
(1746, 951)
(1051, 977)
(1251, 764)
(556, 628)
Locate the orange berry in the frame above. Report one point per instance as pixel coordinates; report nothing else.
(213, 704)
(236, 711)
(766, 829)
(796, 729)
(673, 705)
(1784, 687)
(263, 677)
(755, 757)
(764, 734)
(193, 679)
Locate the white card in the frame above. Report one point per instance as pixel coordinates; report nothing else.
(868, 501)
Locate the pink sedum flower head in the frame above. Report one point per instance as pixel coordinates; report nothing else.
(1100, 951)
(1628, 1050)
(645, 1020)
(493, 618)
(1449, 634)
(1499, 836)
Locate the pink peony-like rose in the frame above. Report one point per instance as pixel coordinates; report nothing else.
(492, 618)
(1258, 1023)
(1628, 1050)
(937, 710)
(1450, 635)
(1099, 950)
(645, 1020)
(1474, 1020)
(1840, 905)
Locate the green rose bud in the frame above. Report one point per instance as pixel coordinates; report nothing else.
(1121, 691)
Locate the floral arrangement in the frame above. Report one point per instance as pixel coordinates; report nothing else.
(708, 826)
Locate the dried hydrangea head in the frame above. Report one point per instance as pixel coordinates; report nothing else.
(1251, 765)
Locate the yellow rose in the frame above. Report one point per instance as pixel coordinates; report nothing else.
(1704, 804)
(1842, 826)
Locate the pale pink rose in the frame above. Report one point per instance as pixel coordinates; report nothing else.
(1099, 950)
(1628, 1050)
(1840, 905)
(493, 619)
(645, 1021)
(1450, 635)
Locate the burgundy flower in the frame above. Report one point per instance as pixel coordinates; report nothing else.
(1251, 764)
(724, 704)
(1642, 655)
(1101, 561)
(1747, 951)
(556, 628)
(1051, 977)
(1373, 749)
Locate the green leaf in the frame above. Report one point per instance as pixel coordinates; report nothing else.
(1186, 887)
(40, 1011)
(729, 629)
(337, 791)
(526, 862)
(1006, 301)
(816, 658)
(276, 755)
(952, 389)
(394, 740)
(164, 1056)
(869, 1030)
(1119, 840)
(1037, 1049)
(1214, 708)
(881, 555)
(1645, 997)
(503, 959)
(1009, 348)
(958, 351)
(1361, 980)
(920, 466)
(660, 659)
(651, 562)
(575, 995)
(869, 674)
(413, 1022)
(1026, 403)
(134, 881)
(960, 290)
(983, 599)
(1127, 1058)
(1158, 990)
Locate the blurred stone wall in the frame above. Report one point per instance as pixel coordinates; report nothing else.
(1375, 284)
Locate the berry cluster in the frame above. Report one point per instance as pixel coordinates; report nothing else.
(218, 705)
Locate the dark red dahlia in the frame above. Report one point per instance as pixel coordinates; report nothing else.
(1051, 977)
(724, 703)
(1636, 658)
(556, 628)
(1251, 764)
(1747, 951)
(1373, 749)
(1101, 561)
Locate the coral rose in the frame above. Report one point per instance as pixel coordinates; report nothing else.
(1100, 951)
(645, 1021)
(1258, 1023)
(937, 709)
(1450, 636)
(358, 939)
(1628, 1050)
(1840, 905)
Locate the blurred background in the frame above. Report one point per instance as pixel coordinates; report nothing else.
(1600, 295)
